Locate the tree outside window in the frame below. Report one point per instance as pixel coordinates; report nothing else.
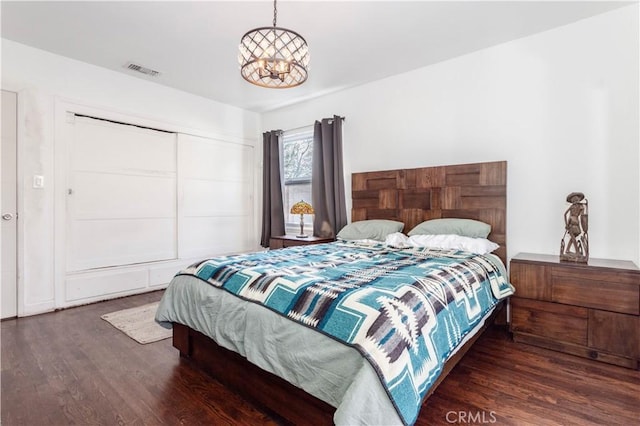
(297, 157)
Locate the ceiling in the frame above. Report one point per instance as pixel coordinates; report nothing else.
(194, 44)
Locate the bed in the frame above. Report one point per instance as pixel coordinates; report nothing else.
(317, 367)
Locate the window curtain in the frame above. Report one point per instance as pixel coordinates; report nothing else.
(327, 181)
(272, 209)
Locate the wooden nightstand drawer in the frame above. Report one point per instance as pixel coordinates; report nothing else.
(617, 333)
(531, 281)
(561, 322)
(592, 293)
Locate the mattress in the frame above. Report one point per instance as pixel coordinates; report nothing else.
(339, 373)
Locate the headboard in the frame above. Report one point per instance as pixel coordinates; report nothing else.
(471, 191)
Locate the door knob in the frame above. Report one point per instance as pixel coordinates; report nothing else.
(7, 216)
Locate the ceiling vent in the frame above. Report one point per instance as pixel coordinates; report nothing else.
(144, 70)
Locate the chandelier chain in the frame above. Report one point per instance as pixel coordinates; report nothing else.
(275, 12)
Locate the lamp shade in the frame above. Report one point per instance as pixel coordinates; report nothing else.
(302, 207)
(274, 57)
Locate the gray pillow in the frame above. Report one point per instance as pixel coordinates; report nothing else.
(374, 229)
(464, 227)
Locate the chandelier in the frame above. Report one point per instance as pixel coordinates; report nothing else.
(274, 57)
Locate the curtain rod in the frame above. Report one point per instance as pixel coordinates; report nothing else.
(309, 125)
(299, 128)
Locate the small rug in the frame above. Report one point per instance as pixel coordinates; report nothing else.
(139, 323)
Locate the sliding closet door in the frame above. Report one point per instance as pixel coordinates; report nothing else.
(216, 202)
(121, 195)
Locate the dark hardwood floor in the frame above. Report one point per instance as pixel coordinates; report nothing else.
(71, 367)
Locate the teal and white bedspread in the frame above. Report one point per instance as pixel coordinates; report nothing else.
(388, 318)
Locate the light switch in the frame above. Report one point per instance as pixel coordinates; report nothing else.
(38, 181)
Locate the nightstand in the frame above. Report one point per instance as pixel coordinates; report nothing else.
(283, 241)
(590, 310)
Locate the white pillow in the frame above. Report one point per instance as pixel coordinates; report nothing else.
(397, 239)
(457, 242)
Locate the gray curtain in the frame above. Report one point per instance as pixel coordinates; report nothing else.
(272, 210)
(327, 178)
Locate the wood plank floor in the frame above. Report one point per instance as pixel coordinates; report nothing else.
(71, 367)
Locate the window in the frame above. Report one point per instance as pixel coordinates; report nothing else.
(297, 155)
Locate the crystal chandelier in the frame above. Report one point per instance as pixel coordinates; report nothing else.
(274, 57)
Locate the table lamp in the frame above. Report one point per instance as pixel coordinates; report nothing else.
(302, 208)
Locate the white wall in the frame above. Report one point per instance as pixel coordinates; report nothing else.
(560, 106)
(45, 82)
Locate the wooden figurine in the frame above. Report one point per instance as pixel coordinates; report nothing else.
(574, 246)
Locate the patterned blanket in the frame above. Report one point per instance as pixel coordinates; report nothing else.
(405, 310)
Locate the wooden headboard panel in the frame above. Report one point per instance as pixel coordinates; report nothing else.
(471, 191)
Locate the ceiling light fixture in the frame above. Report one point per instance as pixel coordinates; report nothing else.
(274, 57)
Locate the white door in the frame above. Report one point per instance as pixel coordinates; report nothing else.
(8, 208)
(121, 200)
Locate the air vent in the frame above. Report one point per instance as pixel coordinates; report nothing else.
(144, 70)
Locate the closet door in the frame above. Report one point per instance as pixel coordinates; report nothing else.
(216, 197)
(121, 196)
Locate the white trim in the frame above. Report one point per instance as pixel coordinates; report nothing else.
(38, 308)
(62, 136)
(20, 204)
